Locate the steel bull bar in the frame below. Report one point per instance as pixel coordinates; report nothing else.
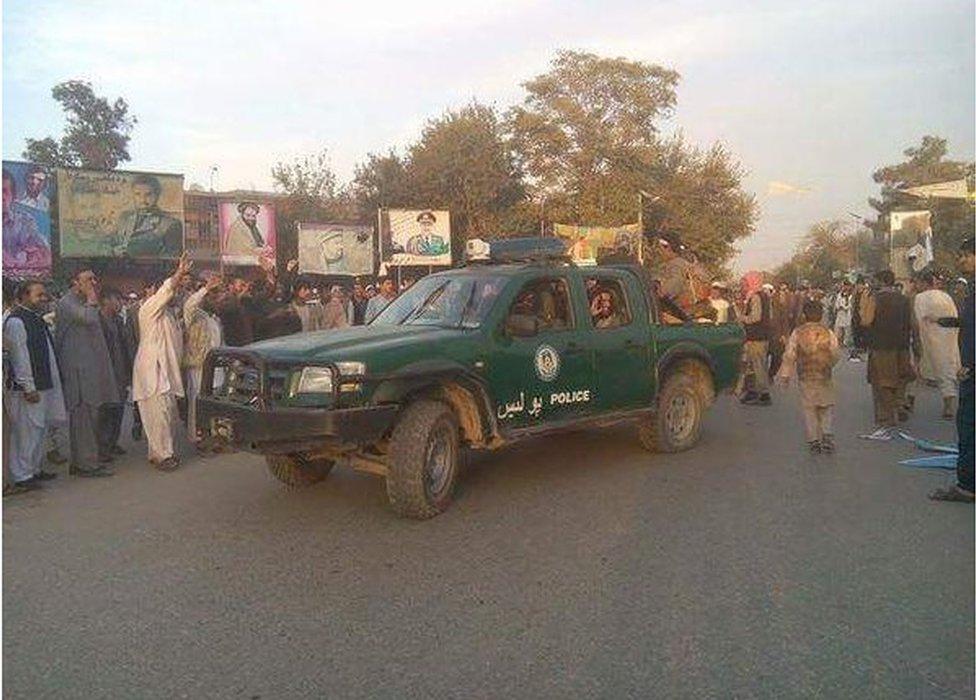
(260, 425)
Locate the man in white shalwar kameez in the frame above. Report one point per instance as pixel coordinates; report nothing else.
(32, 389)
(156, 377)
(940, 361)
(203, 334)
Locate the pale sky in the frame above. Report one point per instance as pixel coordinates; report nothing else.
(811, 97)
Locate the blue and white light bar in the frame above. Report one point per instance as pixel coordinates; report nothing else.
(508, 250)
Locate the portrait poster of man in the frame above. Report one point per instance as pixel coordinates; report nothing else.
(335, 249)
(247, 232)
(120, 214)
(586, 243)
(910, 242)
(416, 237)
(26, 219)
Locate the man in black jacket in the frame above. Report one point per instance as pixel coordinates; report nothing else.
(962, 490)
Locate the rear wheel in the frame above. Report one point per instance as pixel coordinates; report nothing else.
(423, 467)
(298, 471)
(676, 424)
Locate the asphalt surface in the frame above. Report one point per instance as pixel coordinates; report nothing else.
(572, 566)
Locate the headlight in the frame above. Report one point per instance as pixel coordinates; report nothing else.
(315, 380)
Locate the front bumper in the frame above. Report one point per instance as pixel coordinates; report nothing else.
(291, 429)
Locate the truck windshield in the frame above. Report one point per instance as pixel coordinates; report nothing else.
(447, 302)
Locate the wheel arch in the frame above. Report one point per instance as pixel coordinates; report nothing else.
(449, 383)
(689, 358)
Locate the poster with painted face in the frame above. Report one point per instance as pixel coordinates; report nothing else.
(26, 219)
(120, 214)
(247, 232)
(416, 237)
(335, 249)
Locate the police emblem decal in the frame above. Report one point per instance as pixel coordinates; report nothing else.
(546, 363)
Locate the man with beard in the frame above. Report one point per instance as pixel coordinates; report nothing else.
(146, 231)
(86, 369)
(32, 385)
(244, 237)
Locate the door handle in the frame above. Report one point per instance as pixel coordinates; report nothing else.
(631, 344)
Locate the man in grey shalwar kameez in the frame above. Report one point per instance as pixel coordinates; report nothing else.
(89, 380)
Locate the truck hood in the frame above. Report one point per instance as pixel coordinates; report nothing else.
(357, 343)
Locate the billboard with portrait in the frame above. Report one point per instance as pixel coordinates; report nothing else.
(247, 232)
(27, 190)
(416, 237)
(120, 214)
(335, 249)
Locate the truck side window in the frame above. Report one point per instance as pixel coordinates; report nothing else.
(547, 301)
(608, 303)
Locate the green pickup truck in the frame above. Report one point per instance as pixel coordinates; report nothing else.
(521, 344)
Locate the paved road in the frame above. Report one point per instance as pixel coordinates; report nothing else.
(577, 566)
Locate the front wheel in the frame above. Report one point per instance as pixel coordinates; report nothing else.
(297, 471)
(423, 465)
(676, 424)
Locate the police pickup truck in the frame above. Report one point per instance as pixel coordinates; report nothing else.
(518, 345)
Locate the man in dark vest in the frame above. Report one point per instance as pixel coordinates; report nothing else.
(886, 317)
(758, 325)
(32, 385)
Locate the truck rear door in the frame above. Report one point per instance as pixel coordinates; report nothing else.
(620, 340)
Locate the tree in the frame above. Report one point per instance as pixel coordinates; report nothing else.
(312, 194)
(828, 251)
(97, 132)
(952, 220)
(381, 183)
(587, 134)
(463, 163)
(585, 114)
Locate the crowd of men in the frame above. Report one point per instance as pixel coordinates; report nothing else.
(99, 349)
(81, 360)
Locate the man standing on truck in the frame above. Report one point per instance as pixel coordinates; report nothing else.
(675, 274)
(757, 322)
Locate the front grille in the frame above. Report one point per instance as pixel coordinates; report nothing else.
(238, 380)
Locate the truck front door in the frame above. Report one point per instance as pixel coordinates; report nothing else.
(541, 370)
(619, 326)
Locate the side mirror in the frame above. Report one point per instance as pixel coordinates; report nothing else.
(519, 326)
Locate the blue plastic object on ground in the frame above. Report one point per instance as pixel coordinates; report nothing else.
(933, 462)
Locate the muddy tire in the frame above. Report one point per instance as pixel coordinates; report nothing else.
(297, 471)
(424, 457)
(676, 424)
